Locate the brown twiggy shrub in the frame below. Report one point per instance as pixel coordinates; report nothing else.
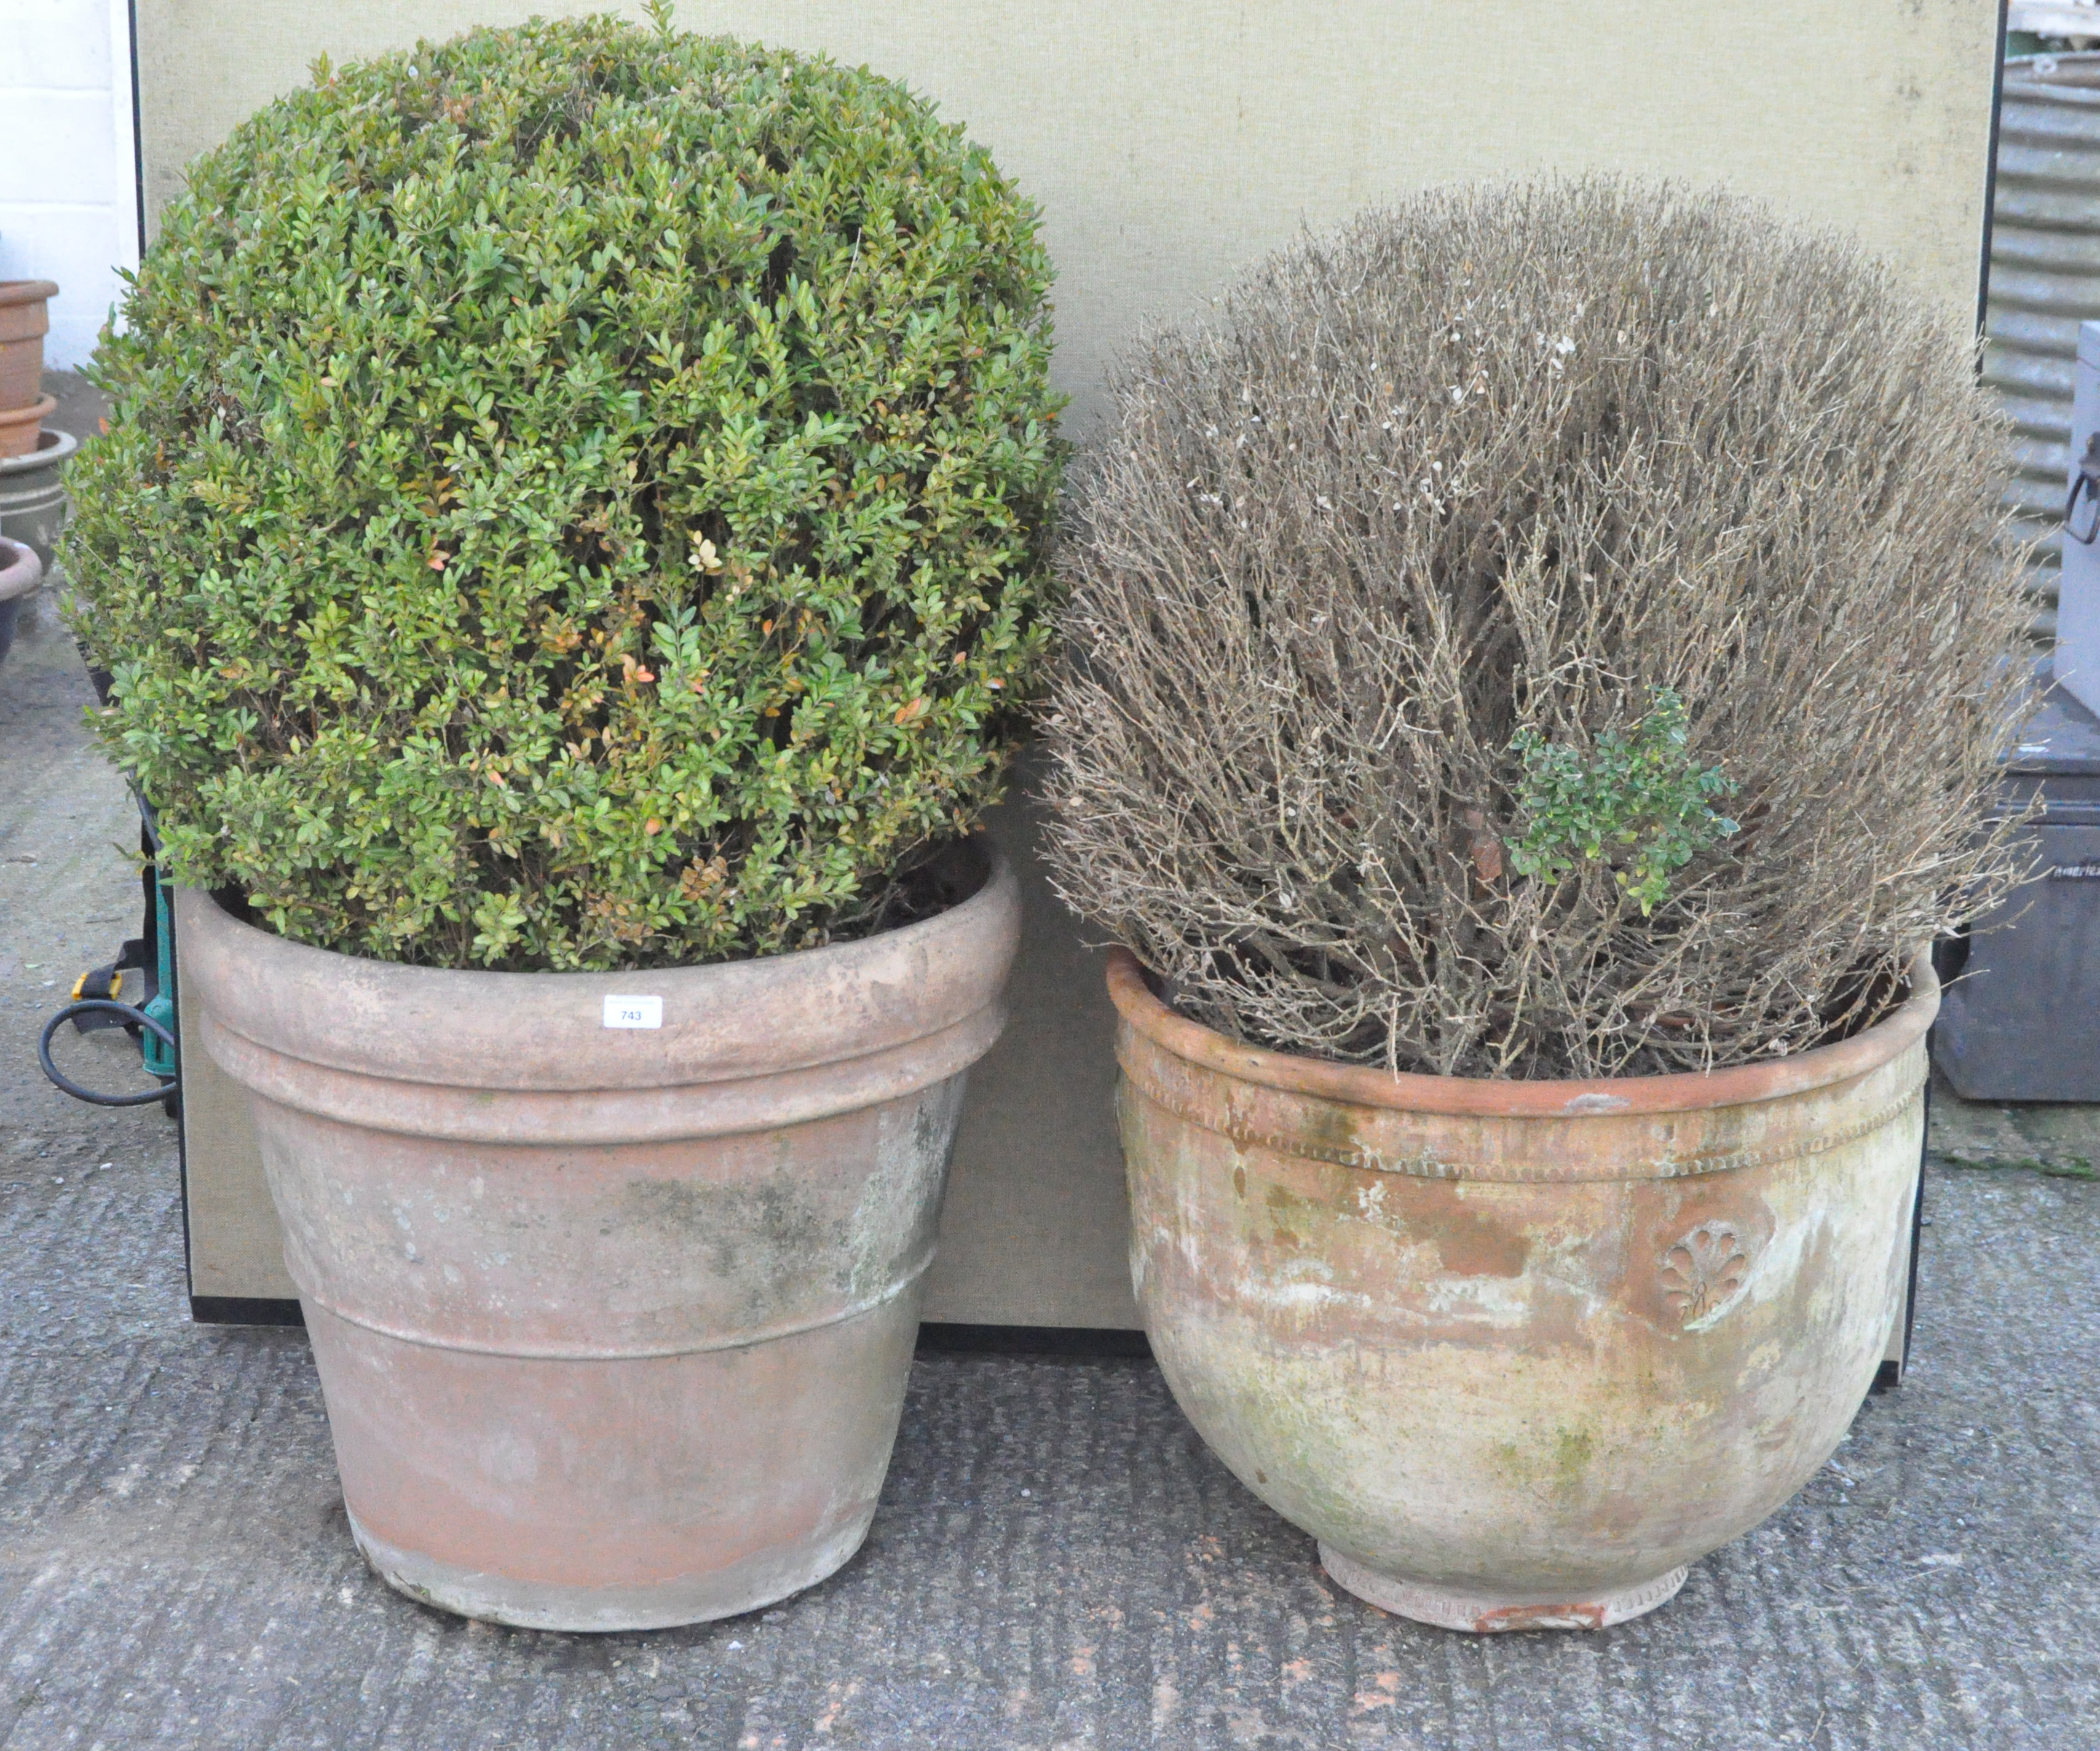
(1530, 464)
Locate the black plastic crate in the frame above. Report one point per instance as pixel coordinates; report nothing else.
(2020, 1018)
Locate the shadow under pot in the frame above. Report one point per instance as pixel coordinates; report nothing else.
(613, 1279)
(1517, 1353)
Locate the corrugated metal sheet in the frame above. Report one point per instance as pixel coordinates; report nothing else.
(2045, 280)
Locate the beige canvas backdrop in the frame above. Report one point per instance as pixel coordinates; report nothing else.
(1169, 142)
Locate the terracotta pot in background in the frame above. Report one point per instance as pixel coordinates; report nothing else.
(24, 320)
(1516, 1353)
(613, 1321)
(21, 428)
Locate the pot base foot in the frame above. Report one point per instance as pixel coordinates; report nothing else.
(1485, 1614)
(748, 1586)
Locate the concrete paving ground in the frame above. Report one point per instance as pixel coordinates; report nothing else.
(1058, 1562)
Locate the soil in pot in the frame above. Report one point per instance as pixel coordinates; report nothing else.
(613, 1279)
(1517, 1353)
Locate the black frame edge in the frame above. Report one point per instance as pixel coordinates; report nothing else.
(1990, 178)
(1891, 1374)
(245, 1310)
(138, 130)
(946, 1337)
(937, 1337)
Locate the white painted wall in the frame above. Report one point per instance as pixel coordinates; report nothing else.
(68, 202)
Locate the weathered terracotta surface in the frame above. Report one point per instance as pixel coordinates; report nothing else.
(21, 429)
(1516, 1352)
(613, 1324)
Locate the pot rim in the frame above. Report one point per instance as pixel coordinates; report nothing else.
(1601, 1097)
(723, 1024)
(27, 291)
(22, 574)
(42, 408)
(993, 866)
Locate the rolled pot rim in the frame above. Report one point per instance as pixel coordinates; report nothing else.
(1680, 1092)
(39, 410)
(21, 574)
(722, 1021)
(27, 291)
(995, 872)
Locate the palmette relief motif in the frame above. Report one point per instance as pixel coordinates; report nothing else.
(1704, 1272)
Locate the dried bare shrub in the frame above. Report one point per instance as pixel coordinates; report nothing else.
(1503, 465)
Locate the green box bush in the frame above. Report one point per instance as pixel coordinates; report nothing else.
(575, 496)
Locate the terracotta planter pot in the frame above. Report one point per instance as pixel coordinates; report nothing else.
(24, 320)
(20, 428)
(613, 1321)
(1516, 1352)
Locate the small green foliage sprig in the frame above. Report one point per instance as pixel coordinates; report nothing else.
(1638, 787)
(574, 496)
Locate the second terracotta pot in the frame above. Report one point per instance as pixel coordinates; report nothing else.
(613, 1280)
(1516, 1353)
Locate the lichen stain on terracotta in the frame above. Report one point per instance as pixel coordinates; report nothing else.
(1522, 1377)
(1474, 1245)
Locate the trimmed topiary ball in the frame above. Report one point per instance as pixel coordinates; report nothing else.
(575, 496)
